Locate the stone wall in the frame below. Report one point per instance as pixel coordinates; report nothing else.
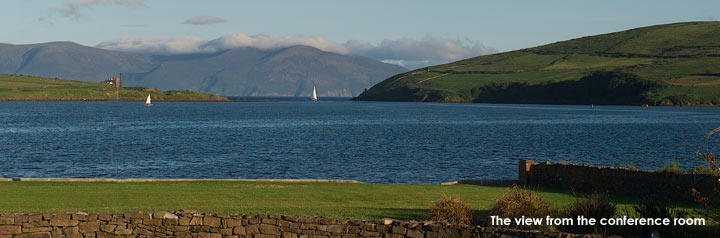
(194, 224)
(638, 183)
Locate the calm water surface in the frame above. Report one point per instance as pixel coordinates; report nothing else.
(384, 142)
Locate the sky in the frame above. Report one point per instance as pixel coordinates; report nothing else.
(410, 33)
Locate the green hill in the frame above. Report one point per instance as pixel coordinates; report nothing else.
(29, 88)
(673, 64)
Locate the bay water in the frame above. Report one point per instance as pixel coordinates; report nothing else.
(381, 142)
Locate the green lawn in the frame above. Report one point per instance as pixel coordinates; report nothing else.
(339, 200)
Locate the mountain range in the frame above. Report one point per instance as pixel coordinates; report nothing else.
(670, 64)
(291, 71)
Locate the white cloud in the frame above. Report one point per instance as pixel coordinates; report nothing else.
(90, 3)
(264, 41)
(182, 45)
(427, 48)
(204, 20)
(410, 53)
(131, 3)
(68, 10)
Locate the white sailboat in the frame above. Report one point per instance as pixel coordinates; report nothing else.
(313, 97)
(147, 101)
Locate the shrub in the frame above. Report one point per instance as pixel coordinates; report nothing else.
(672, 166)
(452, 211)
(651, 209)
(518, 202)
(711, 200)
(596, 206)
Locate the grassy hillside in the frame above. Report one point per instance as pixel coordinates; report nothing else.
(22, 88)
(682, 59)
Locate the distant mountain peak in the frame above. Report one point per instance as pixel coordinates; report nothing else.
(244, 71)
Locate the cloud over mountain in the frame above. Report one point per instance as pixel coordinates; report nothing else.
(411, 53)
(181, 45)
(266, 41)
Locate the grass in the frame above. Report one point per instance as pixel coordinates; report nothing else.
(339, 200)
(685, 55)
(672, 166)
(19, 87)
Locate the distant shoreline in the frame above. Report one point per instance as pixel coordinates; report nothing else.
(100, 100)
(296, 99)
(172, 180)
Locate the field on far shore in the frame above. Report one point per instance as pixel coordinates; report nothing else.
(338, 200)
(30, 88)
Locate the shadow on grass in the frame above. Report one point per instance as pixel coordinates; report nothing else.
(397, 213)
(479, 216)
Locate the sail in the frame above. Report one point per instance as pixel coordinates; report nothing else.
(314, 95)
(147, 101)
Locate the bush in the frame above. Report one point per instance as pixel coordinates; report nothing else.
(596, 206)
(452, 211)
(518, 202)
(672, 166)
(650, 209)
(711, 200)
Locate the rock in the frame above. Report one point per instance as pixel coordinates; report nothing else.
(63, 216)
(123, 231)
(335, 229)
(211, 221)
(63, 222)
(108, 228)
(21, 218)
(81, 215)
(36, 229)
(7, 220)
(239, 230)
(209, 235)
(91, 226)
(184, 221)
(141, 231)
(414, 234)
(71, 230)
(270, 221)
(252, 229)
(398, 230)
(34, 218)
(104, 217)
(34, 235)
(10, 230)
(269, 229)
(137, 215)
(196, 221)
(229, 222)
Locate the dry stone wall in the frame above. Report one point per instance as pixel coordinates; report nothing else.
(194, 224)
(639, 183)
